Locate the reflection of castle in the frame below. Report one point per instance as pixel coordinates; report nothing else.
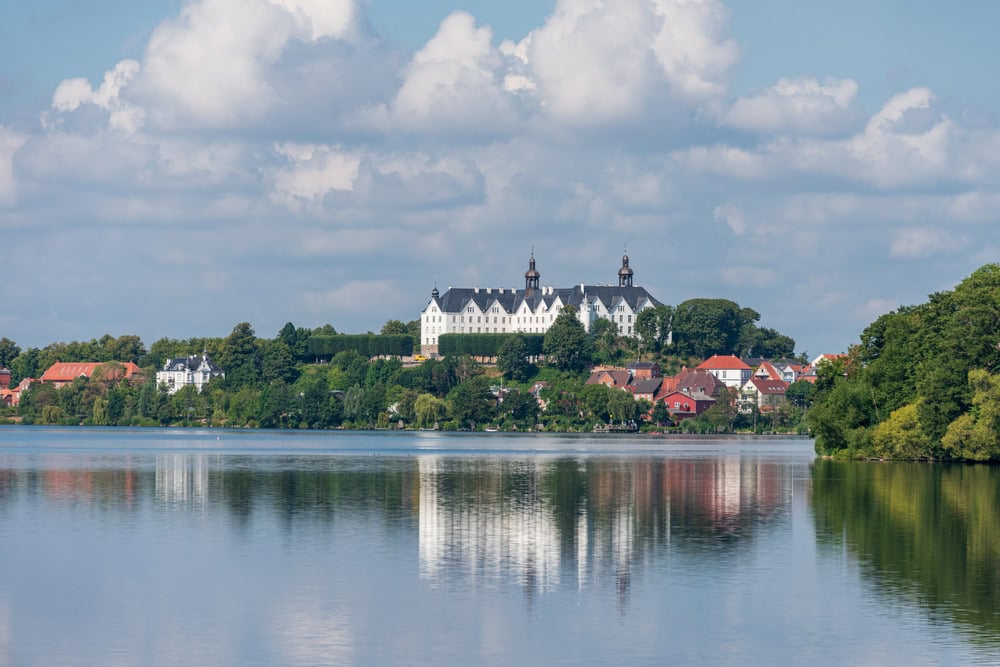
(506, 522)
(495, 534)
(182, 478)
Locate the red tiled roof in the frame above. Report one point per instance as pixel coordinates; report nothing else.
(771, 371)
(69, 371)
(773, 387)
(727, 362)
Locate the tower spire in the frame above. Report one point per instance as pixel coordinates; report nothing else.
(625, 273)
(531, 276)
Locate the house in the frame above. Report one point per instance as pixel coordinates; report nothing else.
(4, 378)
(686, 405)
(183, 371)
(618, 378)
(763, 393)
(692, 379)
(533, 309)
(646, 388)
(729, 370)
(827, 357)
(61, 374)
(644, 370)
(768, 371)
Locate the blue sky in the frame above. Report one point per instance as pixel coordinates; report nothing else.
(172, 167)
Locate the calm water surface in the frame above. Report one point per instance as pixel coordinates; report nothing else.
(160, 547)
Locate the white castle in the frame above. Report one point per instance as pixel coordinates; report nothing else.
(531, 310)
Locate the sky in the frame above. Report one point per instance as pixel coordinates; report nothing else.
(174, 167)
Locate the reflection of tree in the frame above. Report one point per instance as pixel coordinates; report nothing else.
(930, 530)
(536, 522)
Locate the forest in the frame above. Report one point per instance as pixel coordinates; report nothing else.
(922, 383)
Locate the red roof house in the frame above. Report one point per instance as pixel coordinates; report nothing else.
(729, 370)
(60, 374)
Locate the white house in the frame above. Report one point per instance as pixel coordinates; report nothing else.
(729, 370)
(183, 371)
(533, 309)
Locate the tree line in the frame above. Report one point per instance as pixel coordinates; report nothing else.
(317, 378)
(923, 383)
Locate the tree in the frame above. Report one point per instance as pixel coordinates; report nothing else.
(8, 352)
(394, 327)
(240, 357)
(472, 402)
(429, 410)
(603, 336)
(661, 415)
(647, 327)
(512, 359)
(567, 345)
(976, 434)
(703, 327)
(799, 394)
(277, 362)
(125, 348)
(520, 406)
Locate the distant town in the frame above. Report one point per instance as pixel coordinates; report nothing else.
(603, 357)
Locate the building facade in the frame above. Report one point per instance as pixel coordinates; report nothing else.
(197, 371)
(533, 309)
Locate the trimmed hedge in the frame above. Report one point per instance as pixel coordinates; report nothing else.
(485, 345)
(367, 345)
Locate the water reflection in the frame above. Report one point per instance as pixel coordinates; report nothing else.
(544, 522)
(538, 523)
(926, 534)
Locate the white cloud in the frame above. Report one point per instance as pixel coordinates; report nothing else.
(454, 84)
(922, 242)
(316, 170)
(693, 47)
(597, 62)
(212, 66)
(800, 105)
(71, 94)
(733, 217)
(10, 142)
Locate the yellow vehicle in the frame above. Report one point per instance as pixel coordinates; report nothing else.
(419, 357)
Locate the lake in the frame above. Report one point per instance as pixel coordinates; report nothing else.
(209, 547)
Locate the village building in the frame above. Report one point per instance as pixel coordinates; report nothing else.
(183, 371)
(731, 371)
(686, 405)
(534, 309)
(61, 374)
(763, 393)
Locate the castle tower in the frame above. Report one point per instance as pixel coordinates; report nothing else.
(625, 273)
(531, 277)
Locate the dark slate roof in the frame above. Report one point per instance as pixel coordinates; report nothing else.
(192, 363)
(456, 299)
(646, 386)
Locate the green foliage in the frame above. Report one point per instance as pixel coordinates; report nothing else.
(975, 435)
(8, 352)
(703, 327)
(367, 345)
(486, 345)
(472, 403)
(567, 345)
(918, 358)
(512, 359)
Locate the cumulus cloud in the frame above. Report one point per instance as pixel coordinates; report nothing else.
(800, 106)
(71, 94)
(596, 62)
(10, 142)
(453, 85)
(212, 66)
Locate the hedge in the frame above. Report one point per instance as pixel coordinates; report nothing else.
(486, 345)
(367, 345)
